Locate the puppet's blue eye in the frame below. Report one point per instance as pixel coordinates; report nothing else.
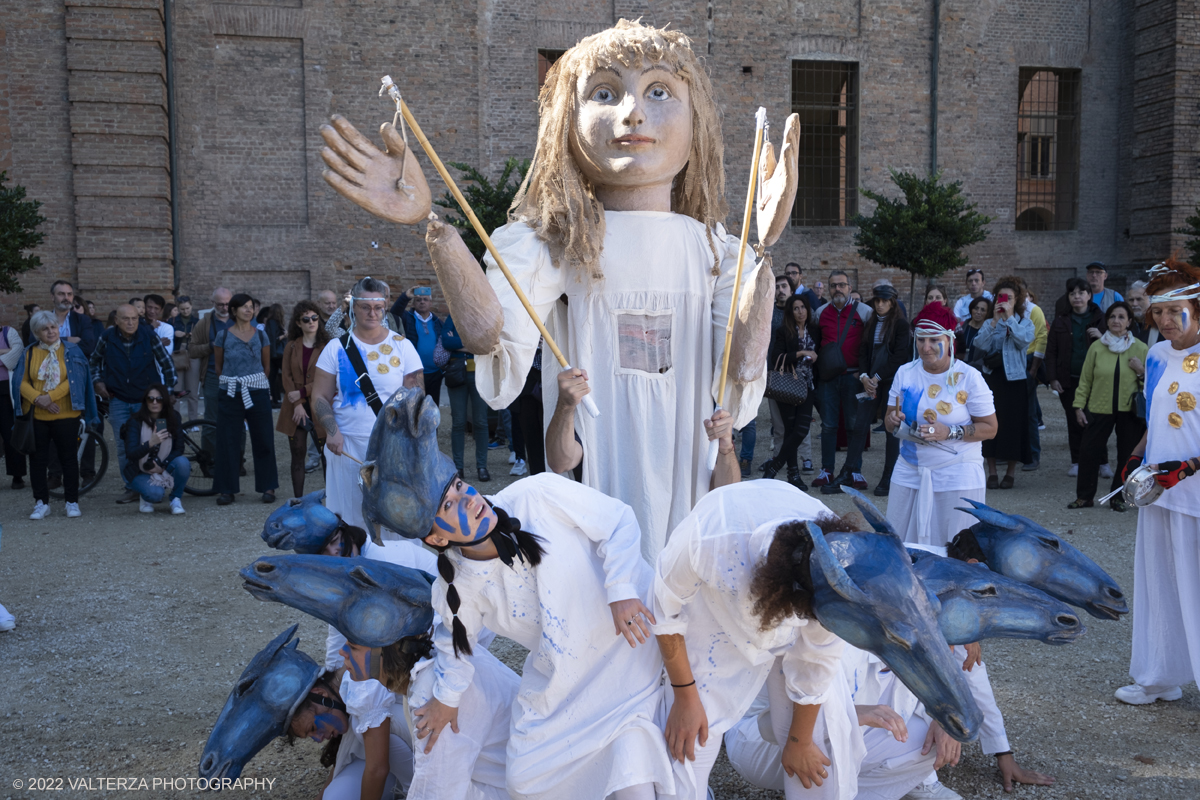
(603, 95)
(659, 92)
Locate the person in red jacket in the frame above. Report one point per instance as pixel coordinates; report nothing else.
(841, 322)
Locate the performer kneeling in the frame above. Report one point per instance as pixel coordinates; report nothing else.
(731, 617)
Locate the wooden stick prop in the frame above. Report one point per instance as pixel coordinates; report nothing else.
(760, 122)
(402, 108)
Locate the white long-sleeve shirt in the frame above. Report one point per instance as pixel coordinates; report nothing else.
(586, 719)
(702, 592)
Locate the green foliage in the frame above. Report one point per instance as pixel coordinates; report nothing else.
(923, 232)
(1191, 229)
(490, 201)
(19, 219)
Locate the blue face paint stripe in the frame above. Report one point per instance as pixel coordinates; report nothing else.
(443, 525)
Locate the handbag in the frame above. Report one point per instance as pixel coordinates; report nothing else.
(23, 440)
(440, 354)
(787, 386)
(182, 362)
(455, 374)
(831, 361)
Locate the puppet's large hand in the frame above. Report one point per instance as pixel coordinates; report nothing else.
(774, 209)
(388, 183)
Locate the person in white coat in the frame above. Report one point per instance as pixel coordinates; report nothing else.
(1166, 567)
(725, 631)
(556, 567)
(951, 405)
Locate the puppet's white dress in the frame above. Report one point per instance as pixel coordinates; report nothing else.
(1166, 566)
(586, 721)
(928, 483)
(702, 592)
(650, 335)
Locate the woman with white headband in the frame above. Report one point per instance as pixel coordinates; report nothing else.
(946, 410)
(1166, 567)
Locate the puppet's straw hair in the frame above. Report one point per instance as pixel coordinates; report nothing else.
(760, 124)
(559, 202)
(394, 93)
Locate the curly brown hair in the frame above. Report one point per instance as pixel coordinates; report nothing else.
(781, 585)
(398, 659)
(1020, 293)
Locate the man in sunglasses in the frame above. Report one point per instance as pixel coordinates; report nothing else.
(962, 308)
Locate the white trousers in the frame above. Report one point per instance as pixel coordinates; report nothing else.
(890, 770)
(992, 737)
(1166, 599)
(946, 521)
(347, 784)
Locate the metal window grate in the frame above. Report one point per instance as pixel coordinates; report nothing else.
(825, 95)
(1048, 149)
(546, 59)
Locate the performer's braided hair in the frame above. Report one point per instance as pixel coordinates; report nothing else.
(510, 542)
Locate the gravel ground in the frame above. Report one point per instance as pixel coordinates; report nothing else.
(132, 628)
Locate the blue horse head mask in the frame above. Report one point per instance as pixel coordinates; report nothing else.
(260, 707)
(371, 603)
(405, 474)
(1023, 550)
(303, 524)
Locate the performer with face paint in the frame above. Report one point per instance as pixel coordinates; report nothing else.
(945, 402)
(556, 567)
(1166, 596)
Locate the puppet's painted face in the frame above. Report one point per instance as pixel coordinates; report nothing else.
(633, 125)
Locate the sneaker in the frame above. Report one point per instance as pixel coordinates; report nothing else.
(807, 466)
(129, 496)
(1137, 695)
(73, 510)
(145, 507)
(1105, 471)
(496, 444)
(1073, 472)
(823, 479)
(744, 464)
(932, 791)
(177, 506)
(18, 483)
(857, 481)
(883, 489)
(1041, 427)
(7, 620)
(40, 510)
(1032, 466)
(519, 467)
(312, 466)
(512, 457)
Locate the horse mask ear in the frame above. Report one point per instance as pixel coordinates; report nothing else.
(832, 569)
(991, 516)
(873, 515)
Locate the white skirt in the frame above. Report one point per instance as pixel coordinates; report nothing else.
(342, 493)
(1166, 599)
(945, 522)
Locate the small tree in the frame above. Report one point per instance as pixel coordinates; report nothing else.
(19, 220)
(922, 233)
(490, 201)
(1191, 229)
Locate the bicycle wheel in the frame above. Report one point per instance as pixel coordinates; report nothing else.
(99, 460)
(200, 482)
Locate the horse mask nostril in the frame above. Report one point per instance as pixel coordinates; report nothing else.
(1067, 620)
(208, 762)
(264, 569)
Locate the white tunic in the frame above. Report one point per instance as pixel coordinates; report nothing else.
(651, 337)
(1166, 574)
(928, 483)
(702, 592)
(584, 722)
(387, 363)
(368, 704)
(470, 763)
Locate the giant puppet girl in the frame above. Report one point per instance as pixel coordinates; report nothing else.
(621, 214)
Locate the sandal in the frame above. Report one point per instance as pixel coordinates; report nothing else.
(1077, 503)
(1007, 483)
(993, 482)
(1118, 504)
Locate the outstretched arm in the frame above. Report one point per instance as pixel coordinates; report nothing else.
(477, 313)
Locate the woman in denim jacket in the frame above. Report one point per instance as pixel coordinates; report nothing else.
(1003, 340)
(53, 362)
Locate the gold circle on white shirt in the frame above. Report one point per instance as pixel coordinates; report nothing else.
(962, 396)
(1190, 363)
(1186, 401)
(1173, 388)
(1174, 420)
(943, 407)
(394, 361)
(382, 369)
(372, 356)
(934, 391)
(386, 349)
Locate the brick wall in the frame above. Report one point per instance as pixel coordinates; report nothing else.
(83, 123)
